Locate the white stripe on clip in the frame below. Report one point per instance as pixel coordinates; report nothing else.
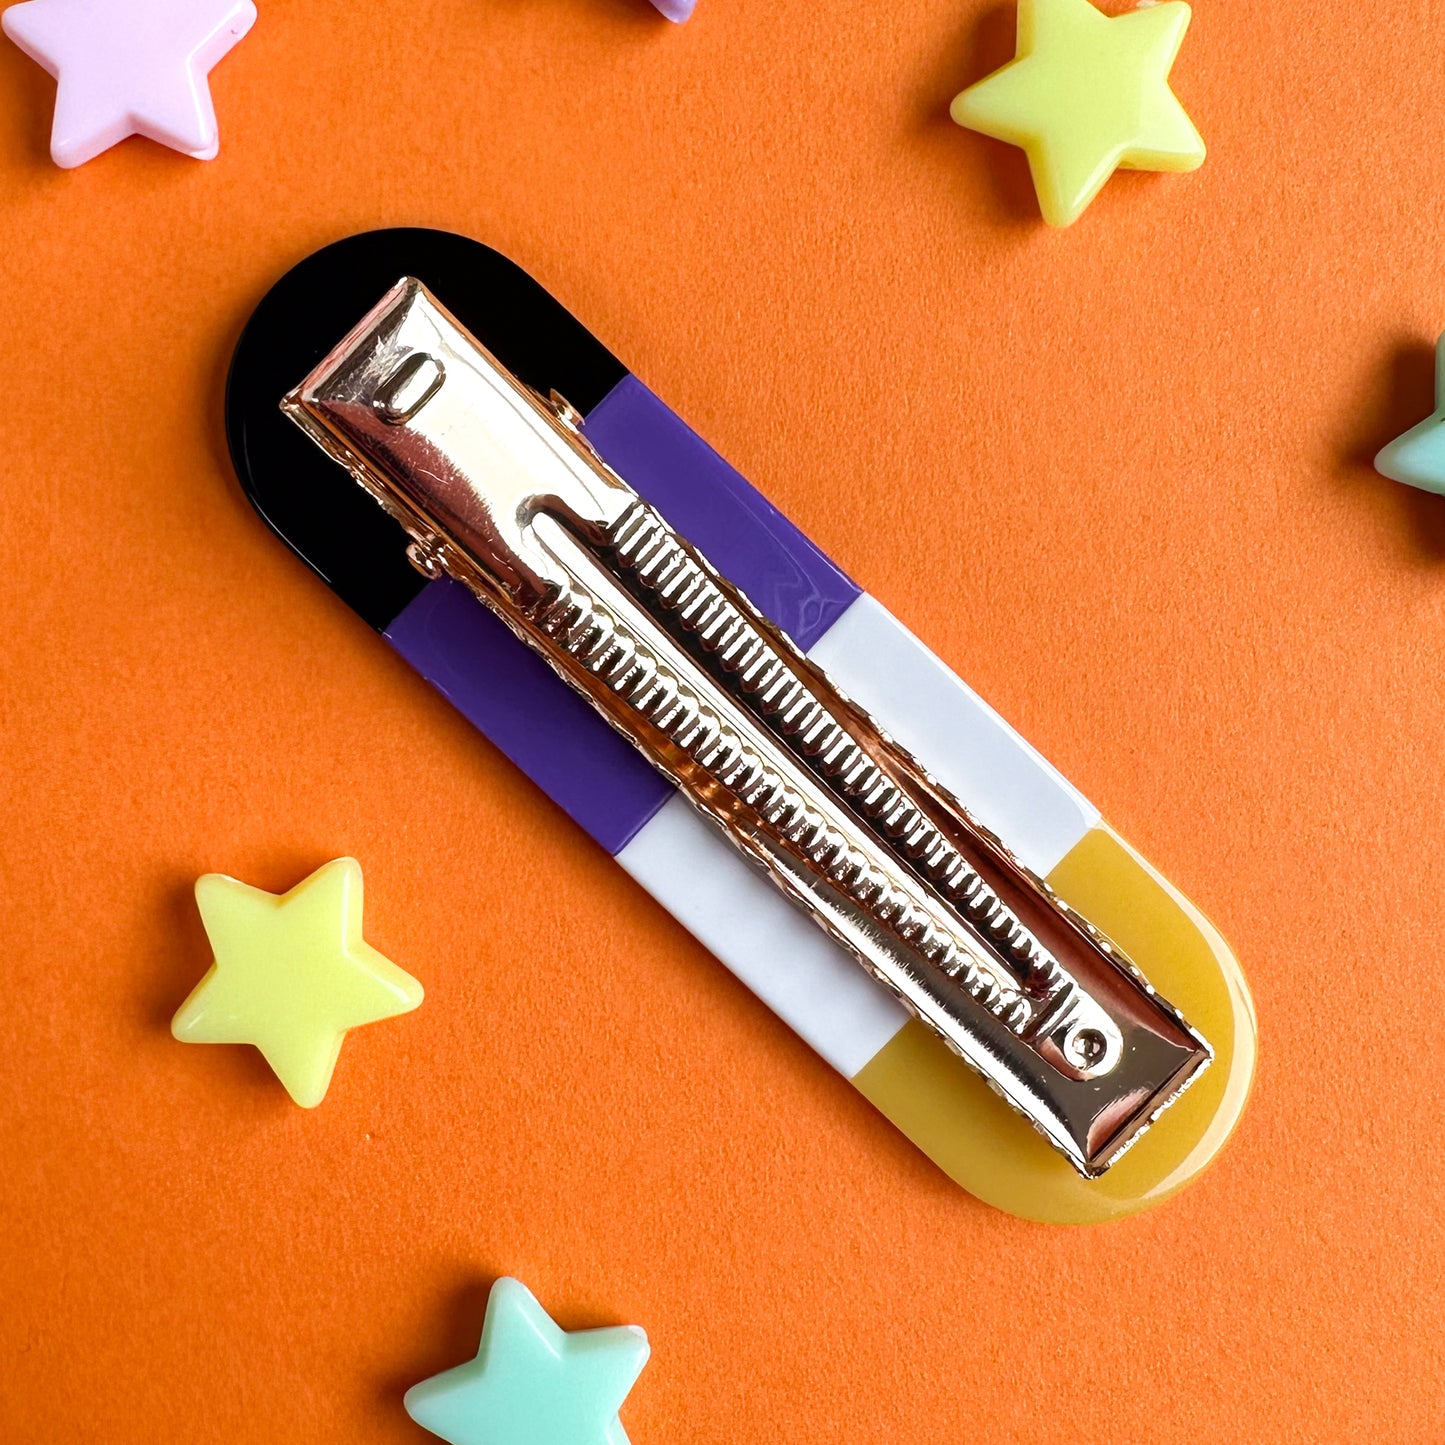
(808, 981)
(772, 946)
(1006, 785)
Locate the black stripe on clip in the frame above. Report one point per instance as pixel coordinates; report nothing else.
(306, 499)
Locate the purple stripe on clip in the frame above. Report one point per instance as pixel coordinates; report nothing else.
(742, 533)
(502, 687)
(513, 697)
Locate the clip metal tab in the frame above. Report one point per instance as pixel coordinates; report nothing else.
(498, 488)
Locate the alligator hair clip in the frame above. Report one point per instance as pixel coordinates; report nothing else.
(510, 498)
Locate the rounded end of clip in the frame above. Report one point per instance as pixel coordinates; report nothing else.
(985, 1146)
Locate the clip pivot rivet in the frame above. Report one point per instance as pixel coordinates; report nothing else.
(425, 560)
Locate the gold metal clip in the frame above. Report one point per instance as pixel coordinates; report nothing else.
(498, 488)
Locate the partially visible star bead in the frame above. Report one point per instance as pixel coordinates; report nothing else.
(1417, 457)
(532, 1382)
(129, 67)
(676, 10)
(1085, 95)
(291, 975)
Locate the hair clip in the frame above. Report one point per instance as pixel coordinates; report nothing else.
(507, 494)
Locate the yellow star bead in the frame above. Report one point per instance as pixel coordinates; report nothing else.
(1086, 94)
(292, 974)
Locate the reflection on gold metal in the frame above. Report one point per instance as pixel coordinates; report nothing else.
(498, 488)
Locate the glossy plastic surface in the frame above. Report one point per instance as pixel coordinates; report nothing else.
(1417, 457)
(129, 67)
(986, 1147)
(292, 974)
(1087, 94)
(533, 1383)
(511, 697)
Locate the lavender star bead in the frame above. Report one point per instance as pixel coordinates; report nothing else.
(129, 67)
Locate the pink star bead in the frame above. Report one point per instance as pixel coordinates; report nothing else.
(677, 10)
(129, 67)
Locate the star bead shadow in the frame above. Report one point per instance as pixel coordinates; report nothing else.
(638, 17)
(182, 957)
(178, 966)
(1397, 392)
(988, 41)
(450, 1337)
(32, 99)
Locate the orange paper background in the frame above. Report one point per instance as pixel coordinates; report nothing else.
(1118, 476)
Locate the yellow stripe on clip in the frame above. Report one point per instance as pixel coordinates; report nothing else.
(989, 1149)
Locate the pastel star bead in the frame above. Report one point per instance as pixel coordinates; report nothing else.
(129, 67)
(291, 975)
(532, 1382)
(1417, 457)
(677, 10)
(1085, 95)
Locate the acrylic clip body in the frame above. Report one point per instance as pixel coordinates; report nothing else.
(499, 489)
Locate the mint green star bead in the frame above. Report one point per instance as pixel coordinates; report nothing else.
(532, 1382)
(1418, 457)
